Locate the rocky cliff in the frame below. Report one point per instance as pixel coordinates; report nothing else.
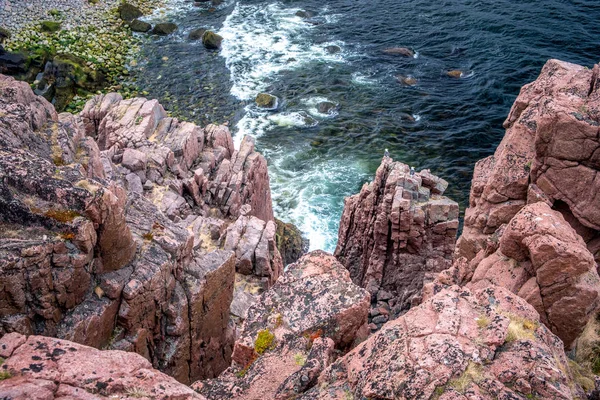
(113, 225)
(125, 229)
(397, 232)
(532, 224)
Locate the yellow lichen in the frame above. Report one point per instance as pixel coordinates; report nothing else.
(63, 216)
(299, 359)
(265, 340)
(482, 321)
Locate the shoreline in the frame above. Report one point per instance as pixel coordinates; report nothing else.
(90, 34)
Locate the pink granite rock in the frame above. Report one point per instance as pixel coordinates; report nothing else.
(116, 242)
(397, 232)
(45, 368)
(549, 153)
(539, 257)
(460, 344)
(290, 334)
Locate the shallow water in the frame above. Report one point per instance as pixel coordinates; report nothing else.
(315, 159)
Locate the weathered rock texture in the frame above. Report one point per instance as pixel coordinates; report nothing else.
(42, 368)
(396, 233)
(551, 152)
(112, 228)
(533, 221)
(485, 344)
(542, 259)
(293, 332)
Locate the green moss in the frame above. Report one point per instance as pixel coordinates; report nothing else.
(4, 375)
(265, 340)
(50, 26)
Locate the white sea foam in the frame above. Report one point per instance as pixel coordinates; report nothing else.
(261, 41)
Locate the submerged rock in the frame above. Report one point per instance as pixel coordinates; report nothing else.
(140, 26)
(165, 28)
(266, 100)
(211, 40)
(407, 80)
(196, 34)
(333, 49)
(400, 51)
(326, 107)
(455, 73)
(304, 14)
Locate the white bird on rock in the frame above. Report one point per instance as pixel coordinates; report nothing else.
(386, 154)
(412, 171)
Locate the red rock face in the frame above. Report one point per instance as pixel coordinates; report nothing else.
(45, 368)
(111, 225)
(291, 332)
(460, 344)
(396, 232)
(548, 252)
(550, 152)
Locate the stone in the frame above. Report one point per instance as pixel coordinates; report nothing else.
(134, 160)
(291, 243)
(211, 40)
(287, 339)
(45, 368)
(104, 262)
(333, 49)
(266, 100)
(4, 34)
(304, 14)
(196, 34)
(400, 51)
(326, 107)
(398, 232)
(129, 12)
(483, 344)
(139, 26)
(407, 80)
(546, 114)
(455, 73)
(164, 28)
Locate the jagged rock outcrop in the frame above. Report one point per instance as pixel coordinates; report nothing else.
(397, 232)
(460, 344)
(550, 152)
(112, 228)
(531, 225)
(539, 257)
(293, 332)
(43, 368)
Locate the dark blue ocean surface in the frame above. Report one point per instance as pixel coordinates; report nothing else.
(316, 159)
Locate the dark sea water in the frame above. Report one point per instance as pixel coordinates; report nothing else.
(441, 123)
